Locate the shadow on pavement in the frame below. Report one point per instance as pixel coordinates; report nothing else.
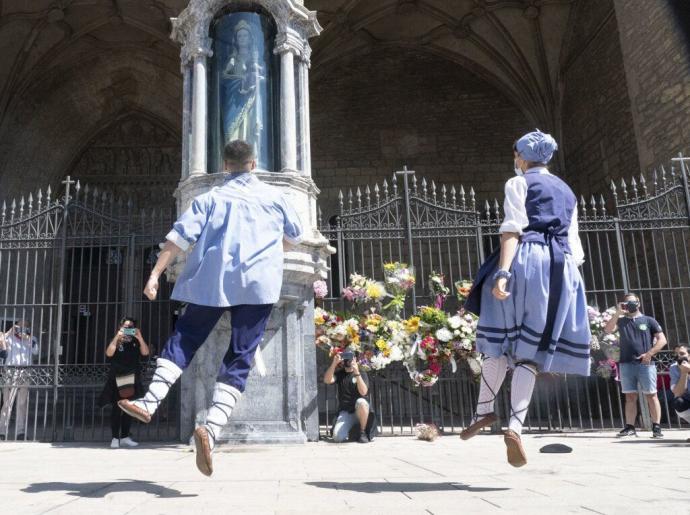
(665, 442)
(384, 486)
(101, 489)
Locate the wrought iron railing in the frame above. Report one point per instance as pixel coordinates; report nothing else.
(635, 239)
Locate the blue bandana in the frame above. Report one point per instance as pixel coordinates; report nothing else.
(536, 147)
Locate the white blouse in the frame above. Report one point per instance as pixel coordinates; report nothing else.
(516, 214)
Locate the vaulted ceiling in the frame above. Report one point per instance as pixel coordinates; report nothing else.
(517, 45)
(92, 59)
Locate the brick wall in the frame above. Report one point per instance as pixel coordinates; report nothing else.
(370, 115)
(598, 131)
(654, 39)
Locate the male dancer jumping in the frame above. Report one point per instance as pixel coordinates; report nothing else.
(236, 265)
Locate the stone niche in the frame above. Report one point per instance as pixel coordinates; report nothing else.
(245, 67)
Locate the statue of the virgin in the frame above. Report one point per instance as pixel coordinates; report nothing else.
(242, 76)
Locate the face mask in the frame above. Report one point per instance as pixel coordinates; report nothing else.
(518, 170)
(632, 306)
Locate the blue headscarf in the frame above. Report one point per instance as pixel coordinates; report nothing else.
(536, 147)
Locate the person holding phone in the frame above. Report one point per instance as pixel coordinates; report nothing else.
(353, 388)
(641, 337)
(21, 347)
(124, 352)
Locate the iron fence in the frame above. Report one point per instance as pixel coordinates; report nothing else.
(635, 239)
(71, 267)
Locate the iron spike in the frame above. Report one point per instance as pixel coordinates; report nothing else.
(602, 203)
(49, 192)
(39, 198)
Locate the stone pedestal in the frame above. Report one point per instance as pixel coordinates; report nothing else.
(280, 407)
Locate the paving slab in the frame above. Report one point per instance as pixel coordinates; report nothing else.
(400, 475)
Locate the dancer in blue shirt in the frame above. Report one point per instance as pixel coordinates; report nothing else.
(238, 231)
(529, 295)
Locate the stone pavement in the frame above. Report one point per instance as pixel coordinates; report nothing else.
(391, 475)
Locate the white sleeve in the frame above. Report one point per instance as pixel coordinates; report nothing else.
(34, 346)
(574, 240)
(514, 206)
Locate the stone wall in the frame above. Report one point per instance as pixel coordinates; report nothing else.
(654, 40)
(373, 114)
(598, 134)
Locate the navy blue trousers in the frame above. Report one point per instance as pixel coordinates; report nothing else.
(196, 323)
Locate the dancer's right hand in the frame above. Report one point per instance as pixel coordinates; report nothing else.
(151, 289)
(499, 290)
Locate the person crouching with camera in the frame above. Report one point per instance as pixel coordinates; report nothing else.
(641, 338)
(679, 373)
(124, 352)
(353, 406)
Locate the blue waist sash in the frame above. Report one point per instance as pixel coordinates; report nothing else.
(558, 246)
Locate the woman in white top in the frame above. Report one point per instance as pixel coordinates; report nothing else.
(529, 295)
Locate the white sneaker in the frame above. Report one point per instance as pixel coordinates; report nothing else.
(115, 444)
(128, 442)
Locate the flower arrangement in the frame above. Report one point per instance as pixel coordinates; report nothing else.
(425, 342)
(607, 369)
(426, 432)
(320, 289)
(609, 344)
(438, 289)
(363, 290)
(399, 279)
(462, 289)
(439, 340)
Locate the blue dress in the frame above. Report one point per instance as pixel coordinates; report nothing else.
(544, 321)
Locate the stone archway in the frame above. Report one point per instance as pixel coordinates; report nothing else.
(135, 157)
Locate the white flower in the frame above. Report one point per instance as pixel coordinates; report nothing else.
(455, 322)
(396, 354)
(444, 335)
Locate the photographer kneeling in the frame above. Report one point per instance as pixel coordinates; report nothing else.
(353, 388)
(680, 382)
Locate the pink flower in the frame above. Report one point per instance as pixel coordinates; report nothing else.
(320, 289)
(435, 368)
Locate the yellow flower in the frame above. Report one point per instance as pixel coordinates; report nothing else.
(381, 344)
(375, 291)
(411, 325)
(389, 266)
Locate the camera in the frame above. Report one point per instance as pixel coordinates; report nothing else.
(347, 357)
(129, 331)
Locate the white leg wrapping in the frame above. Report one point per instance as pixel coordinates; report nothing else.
(493, 373)
(521, 388)
(224, 399)
(164, 377)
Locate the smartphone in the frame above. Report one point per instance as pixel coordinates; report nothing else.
(129, 331)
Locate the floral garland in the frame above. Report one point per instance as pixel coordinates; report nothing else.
(425, 342)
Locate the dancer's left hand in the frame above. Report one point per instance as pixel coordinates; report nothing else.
(499, 290)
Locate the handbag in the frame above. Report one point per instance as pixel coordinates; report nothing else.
(125, 386)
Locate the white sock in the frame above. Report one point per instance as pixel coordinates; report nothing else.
(224, 399)
(493, 373)
(521, 388)
(164, 377)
